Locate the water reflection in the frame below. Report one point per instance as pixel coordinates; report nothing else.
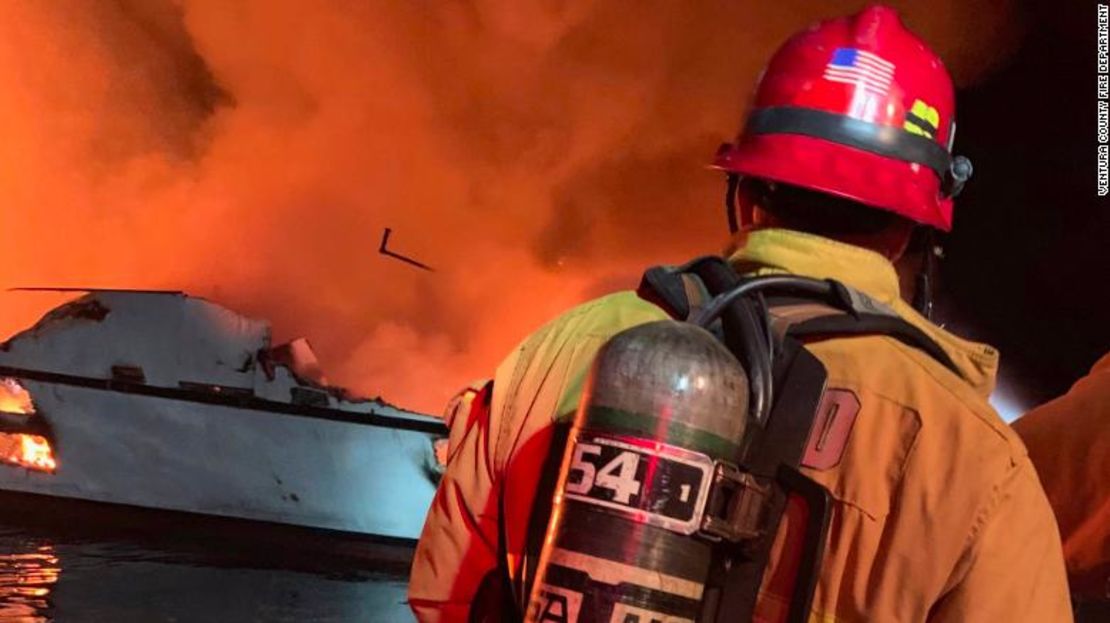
(28, 571)
(55, 575)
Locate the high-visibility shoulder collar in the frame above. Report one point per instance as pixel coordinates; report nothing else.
(798, 253)
(766, 251)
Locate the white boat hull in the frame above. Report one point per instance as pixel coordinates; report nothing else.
(154, 452)
(168, 402)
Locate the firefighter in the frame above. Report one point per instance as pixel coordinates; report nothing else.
(937, 512)
(1069, 443)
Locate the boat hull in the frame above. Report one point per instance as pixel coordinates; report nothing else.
(214, 455)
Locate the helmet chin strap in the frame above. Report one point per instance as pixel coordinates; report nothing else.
(739, 212)
(925, 282)
(730, 202)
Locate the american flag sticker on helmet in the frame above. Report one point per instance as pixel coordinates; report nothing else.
(861, 69)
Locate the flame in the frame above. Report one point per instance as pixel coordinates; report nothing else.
(255, 155)
(30, 451)
(14, 398)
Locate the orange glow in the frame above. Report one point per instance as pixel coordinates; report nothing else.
(254, 156)
(30, 451)
(15, 399)
(30, 571)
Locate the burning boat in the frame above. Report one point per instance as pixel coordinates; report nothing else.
(168, 402)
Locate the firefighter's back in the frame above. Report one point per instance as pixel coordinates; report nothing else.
(938, 514)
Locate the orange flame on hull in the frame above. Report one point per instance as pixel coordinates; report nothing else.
(34, 453)
(14, 399)
(25, 450)
(30, 451)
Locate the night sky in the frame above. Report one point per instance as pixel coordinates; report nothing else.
(1028, 260)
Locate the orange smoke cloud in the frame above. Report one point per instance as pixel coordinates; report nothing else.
(535, 153)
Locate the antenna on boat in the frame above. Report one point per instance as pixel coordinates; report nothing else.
(404, 258)
(109, 290)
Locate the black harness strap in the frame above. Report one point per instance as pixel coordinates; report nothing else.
(852, 313)
(680, 294)
(843, 325)
(772, 455)
(741, 329)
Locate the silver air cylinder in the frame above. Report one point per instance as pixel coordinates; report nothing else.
(647, 482)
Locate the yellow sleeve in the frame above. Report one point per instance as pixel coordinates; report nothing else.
(458, 546)
(460, 530)
(540, 380)
(1013, 569)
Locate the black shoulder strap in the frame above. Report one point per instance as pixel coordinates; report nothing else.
(681, 294)
(849, 313)
(773, 453)
(874, 324)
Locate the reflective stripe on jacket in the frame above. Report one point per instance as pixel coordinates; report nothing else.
(938, 516)
(1069, 442)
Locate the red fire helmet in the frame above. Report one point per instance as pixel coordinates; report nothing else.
(860, 108)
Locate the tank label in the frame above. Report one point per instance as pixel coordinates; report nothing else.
(652, 482)
(552, 604)
(623, 613)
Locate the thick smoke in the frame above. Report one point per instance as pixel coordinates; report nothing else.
(534, 152)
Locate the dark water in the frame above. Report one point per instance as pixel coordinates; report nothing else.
(67, 575)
